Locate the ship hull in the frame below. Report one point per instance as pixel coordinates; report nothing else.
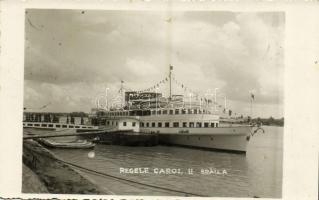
(229, 139)
(130, 139)
(226, 143)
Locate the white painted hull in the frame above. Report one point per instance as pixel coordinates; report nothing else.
(234, 139)
(219, 142)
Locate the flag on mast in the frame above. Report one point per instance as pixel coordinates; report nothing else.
(252, 96)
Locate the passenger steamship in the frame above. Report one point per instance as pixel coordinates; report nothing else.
(175, 121)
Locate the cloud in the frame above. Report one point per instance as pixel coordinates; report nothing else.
(68, 49)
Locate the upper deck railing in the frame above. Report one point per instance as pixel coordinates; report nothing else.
(150, 112)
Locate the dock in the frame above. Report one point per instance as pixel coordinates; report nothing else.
(107, 136)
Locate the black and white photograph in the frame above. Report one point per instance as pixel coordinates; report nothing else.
(153, 103)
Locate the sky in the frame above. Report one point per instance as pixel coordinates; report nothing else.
(72, 56)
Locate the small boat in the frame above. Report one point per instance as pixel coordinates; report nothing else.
(79, 144)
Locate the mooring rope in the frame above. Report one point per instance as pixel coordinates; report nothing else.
(127, 180)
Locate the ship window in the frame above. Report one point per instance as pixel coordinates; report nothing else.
(175, 124)
(36, 124)
(77, 127)
(43, 125)
(159, 124)
(116, 123)
(141, 124)
(206, 124)
(71, 126)
(108, 122)
(176, 112)
(112, 123)
(184, 124)
(171, 112)
(133, 123)
(50, 125)
(153, 124)
(30, 124)
(198, 124)
(164, 112)
(153, 112)
(216, 124)
(199, 111)
(159, 112)
(212, 125)
(195, 111)
(58, 125)
(191, 124)
(166, 124)
(64, 126)
(189, 111)
(147, 124)
(124, 123)
(183, 111)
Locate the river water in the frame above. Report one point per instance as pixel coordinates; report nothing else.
(258, 173)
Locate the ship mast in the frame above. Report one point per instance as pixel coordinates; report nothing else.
(122, 94)
(170, 81)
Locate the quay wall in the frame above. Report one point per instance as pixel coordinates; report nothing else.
(57, 177)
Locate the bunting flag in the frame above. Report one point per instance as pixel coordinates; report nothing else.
(202, 98)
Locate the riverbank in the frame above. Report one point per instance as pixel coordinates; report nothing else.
(49, 175)
(31, 182)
